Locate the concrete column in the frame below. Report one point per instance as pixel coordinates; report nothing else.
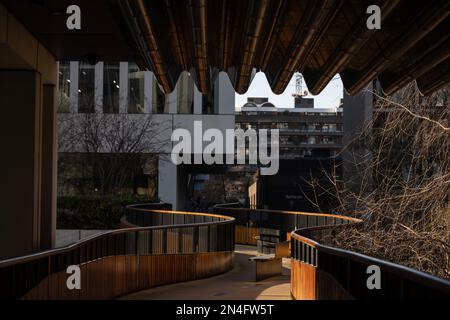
(181, 187)
(167, 182)
(358, 112)
(49, 168)
(198, 101)
(123, 91)
(148, 92)
(74, 85)
(226, 94)
(99, 73)
(172, 101)
(20, 170)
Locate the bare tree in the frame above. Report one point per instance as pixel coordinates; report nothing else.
(118, 147)
(404, 186)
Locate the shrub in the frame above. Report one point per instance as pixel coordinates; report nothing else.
(94, 212)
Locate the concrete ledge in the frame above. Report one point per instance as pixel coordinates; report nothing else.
(267, 266)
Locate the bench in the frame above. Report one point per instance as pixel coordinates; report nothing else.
(267, 240)
(267, 266)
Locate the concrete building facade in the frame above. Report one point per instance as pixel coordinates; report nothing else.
(121, 91)
(304, 132)
(310, 145)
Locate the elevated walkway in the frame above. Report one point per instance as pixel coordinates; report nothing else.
(164, 254)
(238, 284)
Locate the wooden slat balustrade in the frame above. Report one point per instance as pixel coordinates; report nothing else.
(167, 247)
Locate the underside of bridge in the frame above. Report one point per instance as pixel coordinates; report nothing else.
(278, 37)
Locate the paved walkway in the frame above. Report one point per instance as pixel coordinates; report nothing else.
(237, 284)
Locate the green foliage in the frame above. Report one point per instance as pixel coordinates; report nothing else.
(96, 212)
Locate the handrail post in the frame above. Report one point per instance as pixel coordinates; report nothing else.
(208, 238)
(180, 240)
(164, 241)
(196, 248)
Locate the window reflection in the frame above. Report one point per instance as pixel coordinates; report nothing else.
(159, 105)
(86, 88)
(136, 97)
(111, 87)
(64, 87)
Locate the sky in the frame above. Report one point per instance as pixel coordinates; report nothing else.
(330, 97)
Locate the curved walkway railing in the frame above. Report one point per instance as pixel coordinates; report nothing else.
(321, 272)
(171, 247)
(250, 223)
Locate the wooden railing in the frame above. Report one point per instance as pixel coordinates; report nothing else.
(170, 247)
(250, 223)
(321, 272)
(161, 246)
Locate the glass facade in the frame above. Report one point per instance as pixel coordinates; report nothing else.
(64, 87)
(111, 87)
(86, 88)
(121, 87)
(136, 93)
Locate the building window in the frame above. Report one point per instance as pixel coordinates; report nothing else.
(111, 87)
(86, 89)
(312, 140)
(284, 140)
(329, 128)
(64, 87)
(136, 95)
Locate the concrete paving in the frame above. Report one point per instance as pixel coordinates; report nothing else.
(237, 284)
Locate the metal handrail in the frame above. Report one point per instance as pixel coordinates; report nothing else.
(265, 228)
(313, 251)
(24, 277)
(300, 213)
(306, 236)
(78, 244)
